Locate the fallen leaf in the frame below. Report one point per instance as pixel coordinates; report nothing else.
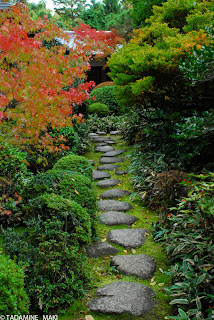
(152, 280)
(125, 251)
(146, 234)
(103, 240)
(133, 251)
(161, 284)
(76, 191)
(89, 317)
(152, 283)
(161, 270)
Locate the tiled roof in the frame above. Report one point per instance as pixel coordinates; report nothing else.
(4, 5)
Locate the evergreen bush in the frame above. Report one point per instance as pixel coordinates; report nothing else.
(106, 95)
(98, 108)
(13, 298)
(53, 253)
(74, 163)
(71, 186)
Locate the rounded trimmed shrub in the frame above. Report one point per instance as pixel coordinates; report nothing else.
(98, 108)
(106, 95)
(74, 163)
(13, 298)
(71, 186)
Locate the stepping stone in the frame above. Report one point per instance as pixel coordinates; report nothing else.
(108, 183)
(113, 205)
(111, 160)
(101, 144)
(120, 172)
(128, 238)
(99, 139)
(108, 167)
(142, 265)
(115, 132)
(91, 161)
(101, 133)
(103, 149)
(111, 142)
(113, 218)
(99, 249)
(123, 297)
(93, 135)
(99, 175)
(114, 194)
(113, 153)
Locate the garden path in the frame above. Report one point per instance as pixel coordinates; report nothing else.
(119, 297)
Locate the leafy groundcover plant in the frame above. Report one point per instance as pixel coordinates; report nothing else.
(188, 239)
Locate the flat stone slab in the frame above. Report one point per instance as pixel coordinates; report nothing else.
(101, 139)
(123, 297)
(114, 194)
(108, 183)
(113, 205)
(140, 265)
(115, 132)
(113, 153)
(99, 175)
(99, 249)
(120, 172)
(93, 135)
(111, 142)
(108, 167)
(111, 160)
(101, 144)
(103, 149)
(128, 238)
(101, 133)
(113, 218)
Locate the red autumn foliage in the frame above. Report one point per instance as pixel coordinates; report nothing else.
(34, 72)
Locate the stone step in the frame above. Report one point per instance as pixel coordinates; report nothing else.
(120, 172)
(99, 175)
(113, 205)
(100, 249)
(114, 194)
(101, 133)
(113, 153)
(104, 149)
(110, 160)
(115, 132)
(113, 218)
(140, 265)
(108, 183)
(123, 297)
(128, 238)
(108, 167)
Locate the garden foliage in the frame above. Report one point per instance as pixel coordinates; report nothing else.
(76, 164)
(106, 95)
(13, 297)
(188, 238)
(99, 109)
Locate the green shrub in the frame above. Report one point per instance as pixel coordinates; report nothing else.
(107, 96)
(74, 163)
(71, 186)
(82, 129)
(53, 254)
(98, 108)
(13, 173)
(13, 298)
(188, 239)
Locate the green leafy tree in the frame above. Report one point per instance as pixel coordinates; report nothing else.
(94, 15)
(69, 10)
(111, 6)
(143, 10)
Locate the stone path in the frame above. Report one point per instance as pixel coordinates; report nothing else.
(119, 297)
